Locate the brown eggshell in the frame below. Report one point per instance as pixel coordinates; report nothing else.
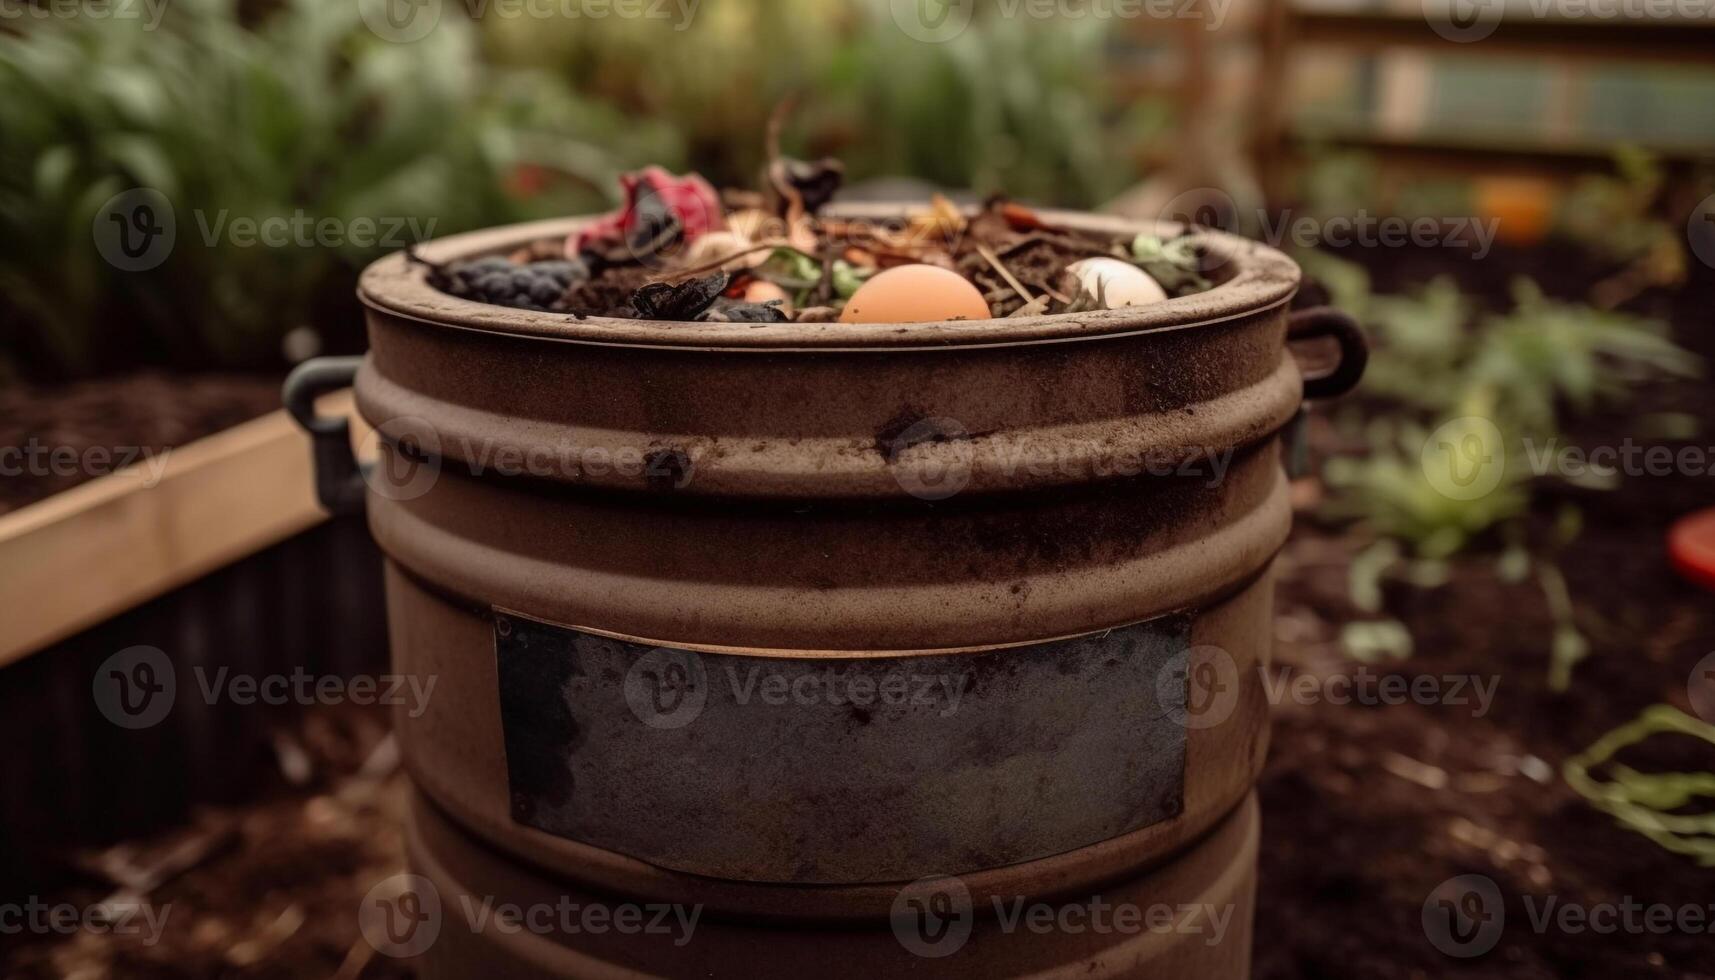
(915, 294)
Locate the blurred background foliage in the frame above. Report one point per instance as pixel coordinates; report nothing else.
(279, 108)
(309, 112)
(1011, 103)
(296, 108)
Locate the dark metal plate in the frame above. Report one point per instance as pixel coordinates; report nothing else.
(842, 769)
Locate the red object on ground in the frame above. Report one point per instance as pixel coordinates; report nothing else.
(526, 181)
(691, 199)
(1691, 543)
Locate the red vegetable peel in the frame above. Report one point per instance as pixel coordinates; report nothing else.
(1691, 545)
(690, 198)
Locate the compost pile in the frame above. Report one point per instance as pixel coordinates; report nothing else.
(678, 250)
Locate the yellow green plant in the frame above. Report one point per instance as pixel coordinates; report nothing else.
(1469, 405)
(1646, 802)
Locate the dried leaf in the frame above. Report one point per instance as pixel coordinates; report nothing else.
(678, 301)
(769, 312)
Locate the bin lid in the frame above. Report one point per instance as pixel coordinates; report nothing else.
(1691, 543)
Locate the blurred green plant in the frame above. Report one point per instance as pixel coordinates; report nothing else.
(1617, 216)
(305, 113)
(1343, 183)
(1528, 366)
(1504, 384)
(1614, 215)
(1624, 216)
(1645, 802)
(1012, 103)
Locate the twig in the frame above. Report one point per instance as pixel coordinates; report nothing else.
(680, 275)
(824, 291)
(777, 124)
(1061, 241)
(254, 949)
(356, 959)
(136, 879)
(1005, 273)
(377, 768)
(1421, 773)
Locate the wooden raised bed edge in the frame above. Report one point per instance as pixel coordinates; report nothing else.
(85, 555)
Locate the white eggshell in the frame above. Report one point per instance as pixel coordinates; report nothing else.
(1103, 283)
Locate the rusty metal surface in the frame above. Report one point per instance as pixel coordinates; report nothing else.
(1217, 876)
(803, 579)
(837, 770)
(456, 754)
(807, 496)
(830, 426)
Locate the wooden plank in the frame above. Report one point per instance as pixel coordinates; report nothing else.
(1671, 40)
(1480, 152)
(1391, 28)
(100, 548)
(1406, 86)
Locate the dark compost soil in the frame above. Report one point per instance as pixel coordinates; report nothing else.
(95, 425)
(270, 888)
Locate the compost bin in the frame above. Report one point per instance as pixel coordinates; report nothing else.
(668, 573)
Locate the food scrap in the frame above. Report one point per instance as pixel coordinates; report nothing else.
(675, 250)
(658, 206)
(1107, 284)
(915, 293)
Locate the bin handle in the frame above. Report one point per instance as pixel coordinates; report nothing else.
(1324, 321)
(339, 477)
